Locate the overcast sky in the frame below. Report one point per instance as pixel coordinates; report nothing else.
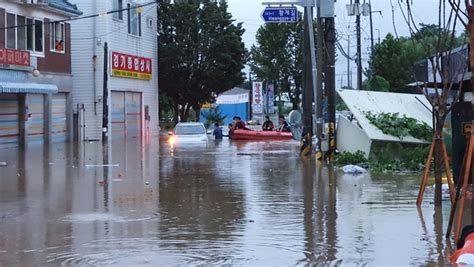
(426, 11)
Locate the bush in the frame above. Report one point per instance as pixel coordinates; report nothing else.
(344, 158)
(400, 126)
(213, 115)
(387, 160)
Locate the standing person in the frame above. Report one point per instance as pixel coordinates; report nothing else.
(217, 133)
(231, 129)
(268, 124)
(284, 126)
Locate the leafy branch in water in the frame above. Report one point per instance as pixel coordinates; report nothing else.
(400, 126)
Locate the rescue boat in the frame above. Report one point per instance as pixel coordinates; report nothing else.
(240, 134)
(464, 254)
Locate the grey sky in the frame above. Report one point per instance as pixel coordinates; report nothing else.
(426, 11)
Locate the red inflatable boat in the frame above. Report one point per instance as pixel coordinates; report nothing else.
(260, 135)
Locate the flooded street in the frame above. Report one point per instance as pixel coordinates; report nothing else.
(238, 203)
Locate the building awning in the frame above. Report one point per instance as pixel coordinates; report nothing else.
(32, 88)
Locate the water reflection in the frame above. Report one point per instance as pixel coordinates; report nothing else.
(237, 203)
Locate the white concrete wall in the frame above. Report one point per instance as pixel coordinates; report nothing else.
(84, 46)
(351, 138)
(115, 33)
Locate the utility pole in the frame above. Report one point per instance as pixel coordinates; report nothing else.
(105, 97)
(319, 86)
(371, 29)
(349, 84)
(330, 82)
(359, 52)
(309, 63)
(306, 146)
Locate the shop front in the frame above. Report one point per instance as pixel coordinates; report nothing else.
(28, 110)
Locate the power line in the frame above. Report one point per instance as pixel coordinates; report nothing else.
(113, 31)
(83, 17)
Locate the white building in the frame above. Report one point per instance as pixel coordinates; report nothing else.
(132, 72)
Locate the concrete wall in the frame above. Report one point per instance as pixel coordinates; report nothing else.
(351, 138)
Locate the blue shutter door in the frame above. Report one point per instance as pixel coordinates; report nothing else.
(9, 120)
(36, 118)
(118, 114)
(134, 114)
(58, 110)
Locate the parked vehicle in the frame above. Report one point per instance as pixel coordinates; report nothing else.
(188, 132)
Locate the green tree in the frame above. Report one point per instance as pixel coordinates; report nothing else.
(278, 57)
(376, 83)
(201, 53)
(393, 59)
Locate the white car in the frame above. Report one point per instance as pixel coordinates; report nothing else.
(185, 132)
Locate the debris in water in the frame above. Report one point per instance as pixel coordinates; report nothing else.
(353, 169)
(102, 182)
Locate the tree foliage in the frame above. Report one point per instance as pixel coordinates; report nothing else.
(201, 53)
(278, 57)
(393, 59)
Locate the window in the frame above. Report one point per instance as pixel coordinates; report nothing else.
(11, 31)
(30, 35)
(21, 33)
(118, 5)
(24, 33)
(57, 36)
(38, 36)
(134, 21)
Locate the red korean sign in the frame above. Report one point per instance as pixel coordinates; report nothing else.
(14, 57)
(132, 67)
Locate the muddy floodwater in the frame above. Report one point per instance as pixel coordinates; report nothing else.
(226, 203)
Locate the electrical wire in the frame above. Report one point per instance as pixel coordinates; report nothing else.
(83, 17)
(113, 31)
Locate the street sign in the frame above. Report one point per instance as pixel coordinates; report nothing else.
(280, 14)
(270, 99)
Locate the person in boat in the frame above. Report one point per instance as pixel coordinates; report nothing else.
(268, 124)
(284, 126)
(465, 247)
(217, 133)
(239, 124)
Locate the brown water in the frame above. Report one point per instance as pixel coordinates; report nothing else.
(231, 203)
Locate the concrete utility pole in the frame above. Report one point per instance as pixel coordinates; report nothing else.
(371, 29)
(319, 87)
(330, 79)
(105, 97)
(309, 71)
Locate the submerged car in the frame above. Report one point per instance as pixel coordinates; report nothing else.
(188, 132)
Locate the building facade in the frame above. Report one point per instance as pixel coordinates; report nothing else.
(128, 32)
(35, 71)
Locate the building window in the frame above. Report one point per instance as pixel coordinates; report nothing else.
(24, 33)
(38, 36)
(134, 21)
(21, 33)
(57, 36)
(11, 31)
(118, 5)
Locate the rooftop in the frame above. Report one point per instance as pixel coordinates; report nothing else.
(65, 6)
